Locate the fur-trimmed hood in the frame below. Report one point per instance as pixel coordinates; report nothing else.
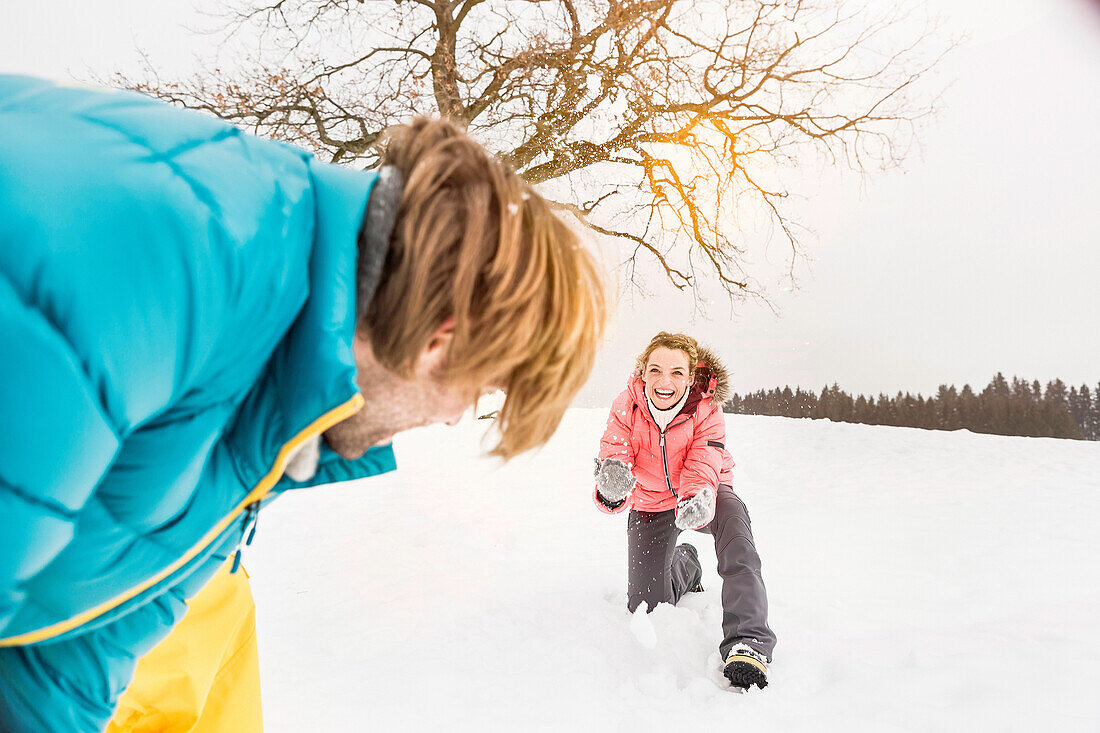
(709, 367)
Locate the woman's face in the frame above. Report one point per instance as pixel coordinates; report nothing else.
(666, 376)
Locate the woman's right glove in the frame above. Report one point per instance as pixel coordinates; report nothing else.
(614, 481)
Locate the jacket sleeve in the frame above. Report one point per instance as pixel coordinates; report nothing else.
(705, 457)
(615, 443)
(74, 684)
(56, 443)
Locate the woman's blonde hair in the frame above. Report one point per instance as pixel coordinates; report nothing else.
(678, 341)
(475, 243)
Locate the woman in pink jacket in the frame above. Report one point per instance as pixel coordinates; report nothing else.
(663, 458)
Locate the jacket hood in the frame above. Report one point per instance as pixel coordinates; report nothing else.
(711, 366)
(712, 379)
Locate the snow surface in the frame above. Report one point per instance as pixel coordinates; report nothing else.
(918, 580)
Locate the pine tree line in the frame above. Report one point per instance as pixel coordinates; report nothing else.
(1002, 408)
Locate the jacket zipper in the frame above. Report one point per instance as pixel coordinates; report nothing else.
(664, 459)
(249, 505)
(248, 530)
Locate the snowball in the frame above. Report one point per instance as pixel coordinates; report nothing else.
(642, 627)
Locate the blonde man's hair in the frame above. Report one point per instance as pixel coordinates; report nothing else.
(677, 341)
(475, 243)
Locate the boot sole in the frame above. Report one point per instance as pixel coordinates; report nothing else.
(743, 672)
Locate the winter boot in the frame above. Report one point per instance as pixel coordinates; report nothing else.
(746, 667)
(693, 558)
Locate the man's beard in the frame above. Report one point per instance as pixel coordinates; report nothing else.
(391, 405)
(351, 438)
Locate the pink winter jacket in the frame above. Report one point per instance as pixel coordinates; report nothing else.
(694, 447)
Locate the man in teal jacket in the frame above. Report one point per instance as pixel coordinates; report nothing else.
(194, 320)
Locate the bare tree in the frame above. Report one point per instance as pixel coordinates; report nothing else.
(659, 122)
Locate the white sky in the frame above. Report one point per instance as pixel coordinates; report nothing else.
(981, 255)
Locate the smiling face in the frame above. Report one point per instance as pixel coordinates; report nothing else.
(667, 376)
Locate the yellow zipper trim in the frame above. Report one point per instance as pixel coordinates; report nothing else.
(261, 489)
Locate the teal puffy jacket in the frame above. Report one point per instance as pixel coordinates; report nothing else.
(177, 303)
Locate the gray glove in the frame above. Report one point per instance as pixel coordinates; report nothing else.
(695, 511)
(614, 480)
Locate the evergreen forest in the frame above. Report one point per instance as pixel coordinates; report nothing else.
(1018, 407)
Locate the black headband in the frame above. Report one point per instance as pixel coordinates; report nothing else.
(376, 233)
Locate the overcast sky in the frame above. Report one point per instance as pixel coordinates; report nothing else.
(980, 256)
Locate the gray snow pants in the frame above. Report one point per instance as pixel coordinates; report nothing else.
(661, 572)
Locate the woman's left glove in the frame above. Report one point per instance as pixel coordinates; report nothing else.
(695, 511)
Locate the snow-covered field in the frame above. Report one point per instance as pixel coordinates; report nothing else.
(919, 581)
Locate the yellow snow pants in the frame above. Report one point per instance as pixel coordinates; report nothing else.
(205, 675)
